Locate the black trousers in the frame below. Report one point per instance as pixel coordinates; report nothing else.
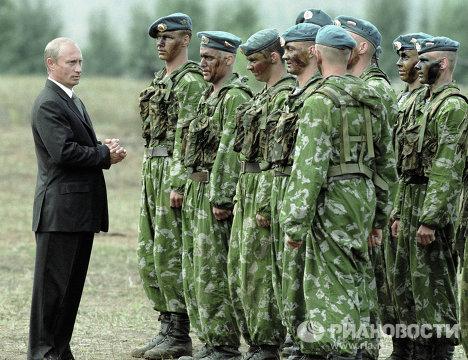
(60, 271)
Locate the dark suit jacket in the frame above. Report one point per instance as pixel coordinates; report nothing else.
(70, 191)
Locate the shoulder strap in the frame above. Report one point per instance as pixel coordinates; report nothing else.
(190, 66)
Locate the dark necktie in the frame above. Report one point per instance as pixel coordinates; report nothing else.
(77, 102)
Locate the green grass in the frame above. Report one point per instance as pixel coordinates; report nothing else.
(114, 314)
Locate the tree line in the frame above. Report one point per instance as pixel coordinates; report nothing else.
(27, 25)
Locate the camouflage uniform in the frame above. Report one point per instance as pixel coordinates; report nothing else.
(431, 164)
(463, 233)
(342, 164)
(168, 102)
(214, 170)
(249, 264)
(382, 257)
(286, 270)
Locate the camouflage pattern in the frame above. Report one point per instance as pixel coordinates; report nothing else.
(287, 284)
(382, 257)
(250, 254)
(209, 148)
(464, 297)
(164, 105)
(320, 209)
(432, 163)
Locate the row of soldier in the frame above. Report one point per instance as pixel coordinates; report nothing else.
(264, 214)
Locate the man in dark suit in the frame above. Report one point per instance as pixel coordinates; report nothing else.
(70, 202)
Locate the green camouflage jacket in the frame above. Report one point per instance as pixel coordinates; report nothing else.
(210, 139)
(434, 147)
(321, 149)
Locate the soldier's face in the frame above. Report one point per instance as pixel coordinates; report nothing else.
(428, 69)
(260, 66)
(169, 45)
(213, 65)
(67, 68)
(406, 65)
(297, 57)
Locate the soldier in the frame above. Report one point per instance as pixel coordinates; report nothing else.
(168, 103)
(431, 179)
(208, 198)
(363, 64)
(343, 154)
(410, 102)
(250, 254)
(298, 42)
(269, 205)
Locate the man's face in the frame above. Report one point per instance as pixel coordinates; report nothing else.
(406, 65)
(296, 55)
(67, 69)
(260, 66)
(428, 68)
(213, 64)
(169, 45)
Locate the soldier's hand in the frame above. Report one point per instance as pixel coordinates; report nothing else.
(262, 221)
(395, 228)
(291, 243)
(425, 235)
(176, 199)
(221, 214)
(375, 237)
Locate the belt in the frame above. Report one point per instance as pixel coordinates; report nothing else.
(416, 179)
(158, 151)
(283, 170)
(200, 176)
(250, 167)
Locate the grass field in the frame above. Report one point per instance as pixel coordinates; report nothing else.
(114, 314)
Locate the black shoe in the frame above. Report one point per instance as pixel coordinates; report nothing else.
(402, 349)
(422, 351)
(442, 350)
(67, 355)
(201, 353)
(223, 353)
(165, 319)
(262, 352)
(176, 343)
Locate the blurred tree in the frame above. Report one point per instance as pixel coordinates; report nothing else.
(450, 22)
(141, 48)
(239, 18)
(25, 29)
(196, 9)
(391, 20)
(104, 55)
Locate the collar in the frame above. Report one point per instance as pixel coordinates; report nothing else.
(68, 91)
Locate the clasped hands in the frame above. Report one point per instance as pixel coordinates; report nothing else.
(117, 152)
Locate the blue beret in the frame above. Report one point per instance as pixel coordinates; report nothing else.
(360, 27)
(259, 41)
(408, 41)
(219, 40)
(335, 36)
(300, 32)
(314, 16)
(176, 21)
(439, 43)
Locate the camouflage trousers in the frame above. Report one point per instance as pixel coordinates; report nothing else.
(288, 266)
(425, 276)
(464, 302)
(250, 267)
(204, 260)
(337, 293)
(159, 239)
(380, 280)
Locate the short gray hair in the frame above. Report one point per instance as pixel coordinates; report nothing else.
(52, 49)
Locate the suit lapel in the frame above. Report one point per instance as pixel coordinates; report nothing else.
(85, 121)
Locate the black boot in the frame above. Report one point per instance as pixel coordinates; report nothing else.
(262, 352)
(422, 351)
(442, 350)
(165, 319)
(177, 341)
(201, 353)
(402, 349)
(223, 353)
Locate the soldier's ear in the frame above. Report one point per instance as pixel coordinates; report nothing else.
(443, 63)
(363, 47)
(312, 51)
(274, 57)
(229, 60)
